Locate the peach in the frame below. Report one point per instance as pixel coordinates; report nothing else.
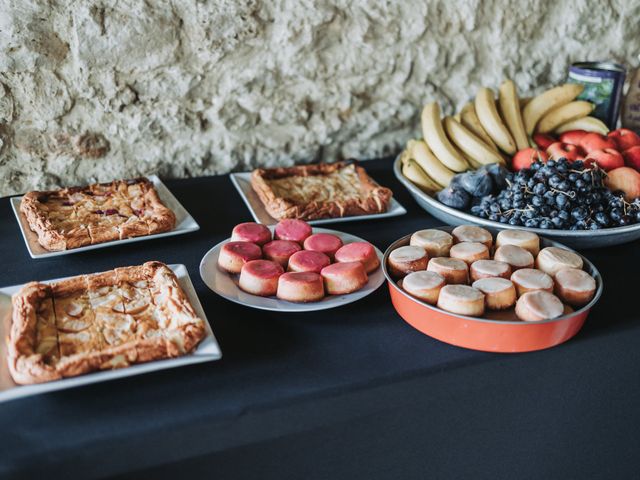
(632, 157)
(607, 159)
(624, 138)
(595, 141)
(573, 137)
(524, 158)
(625, 179)
(565, 150)
(543, 140)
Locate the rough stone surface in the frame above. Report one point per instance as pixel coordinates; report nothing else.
(95, 89)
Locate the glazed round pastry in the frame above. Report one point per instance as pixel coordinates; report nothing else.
(251, 232)
(499, 293)
(454, 270)
(436, 242)
(469, 252)
(308, 261)
(260, 277)
(552, 259)
(521, 238)
(489, 268)
(461, 299)
(280, 250)
(516, 257)
(341, 278)
(233, 255)
(575, 287)
(469, 233)
(530, 280)
(539, 305)
(424, 285)
(293, 230)
(359, 252)
(300, 287)
(323, 242)
(407, 259)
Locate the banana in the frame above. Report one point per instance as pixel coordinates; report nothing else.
(469, 119)
(438, 142)
(565, 113)
(491, 122)
(547, 101)
(523, 102)
(510, 109)
(419, 151)
(457, 116)
(589, 124)
(472, 146)
(416, 175)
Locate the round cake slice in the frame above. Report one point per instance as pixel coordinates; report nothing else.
(233, 255)
(323, 242)
(251, 232)
(424, 285)
(293, 230)
(342, 278)
(461, 299)
(436, 242)
(300, 287)
(280, 250)
(407, 259)
(359, 252)
(260, 277)
(308, 261)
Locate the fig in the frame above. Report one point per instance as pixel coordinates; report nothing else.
(454, 197)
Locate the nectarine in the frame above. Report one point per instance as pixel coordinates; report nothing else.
(594, 141)
(573, 137)
(565, 150)
(543, 140)
(624, 138)
(607, 159)
(524, 158)
(632, 157)
(625, 179)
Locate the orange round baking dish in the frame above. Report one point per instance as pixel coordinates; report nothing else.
(490, 335)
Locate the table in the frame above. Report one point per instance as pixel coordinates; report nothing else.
(348, 393)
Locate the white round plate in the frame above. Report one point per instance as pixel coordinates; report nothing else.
(226, 284)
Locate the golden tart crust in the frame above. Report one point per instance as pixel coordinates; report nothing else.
(325, 190)
(101, 321)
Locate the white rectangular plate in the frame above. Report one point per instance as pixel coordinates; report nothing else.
(185, 223)
(206, 351)
(242, 182)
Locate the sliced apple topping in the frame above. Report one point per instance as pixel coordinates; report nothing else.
(74, 309)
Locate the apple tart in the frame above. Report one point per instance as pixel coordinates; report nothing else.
(101, 321)
(77, 216)
(325, 190)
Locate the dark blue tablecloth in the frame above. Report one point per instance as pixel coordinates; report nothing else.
(352, 392)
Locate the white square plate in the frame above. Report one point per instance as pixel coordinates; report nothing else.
(206, 351)
(185, 223)
(242, 182)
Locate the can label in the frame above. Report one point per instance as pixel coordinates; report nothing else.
(631, 109)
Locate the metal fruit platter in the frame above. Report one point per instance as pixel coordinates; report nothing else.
(605, 237)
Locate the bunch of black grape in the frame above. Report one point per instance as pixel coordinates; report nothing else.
(558, 195)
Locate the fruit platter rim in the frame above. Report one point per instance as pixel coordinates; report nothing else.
(588, 267)
(603, 234)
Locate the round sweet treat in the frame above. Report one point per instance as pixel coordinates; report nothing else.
(251, 232)
(308, 261)
(293, 230)
(489, 268)
(521, 238)
(530, 280)
(469, 233)
(499, 293)
(359, 252)
(341, 278)
(516, 257)
(300, 287)
(436, 242)
(461, 299)
(280, 250)
(424, 285)
(453, 270)
(323, 242)
(552, 259)
(407, 259)
(469, 252)
(538, 305)
(575, 287)
(233, 255)
(260, 277)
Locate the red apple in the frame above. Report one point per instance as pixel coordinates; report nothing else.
(624, 138)
(543, 140)
(566, 150)
(607, 159)
(524, 158)
(625, 179)
(573, 137)
(595, 141)
(632, 157)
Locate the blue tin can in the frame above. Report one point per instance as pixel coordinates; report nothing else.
(603, 82)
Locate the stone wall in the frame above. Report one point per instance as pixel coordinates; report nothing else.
(97, 89)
